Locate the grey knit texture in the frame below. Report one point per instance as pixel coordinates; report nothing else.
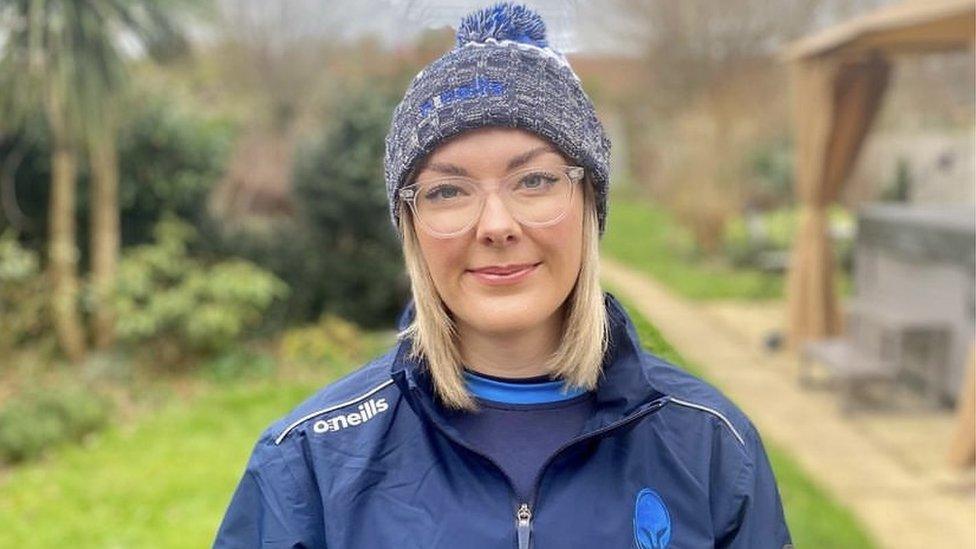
(505, 84)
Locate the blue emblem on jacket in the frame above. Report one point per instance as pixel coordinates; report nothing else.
(652, 523)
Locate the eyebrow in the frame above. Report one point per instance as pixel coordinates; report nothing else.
(516, 162)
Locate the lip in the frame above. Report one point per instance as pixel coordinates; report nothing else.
(504, 274)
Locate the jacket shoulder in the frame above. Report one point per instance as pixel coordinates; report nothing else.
(699, 397)
(371, 380)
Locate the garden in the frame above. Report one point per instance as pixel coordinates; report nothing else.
(194, 238)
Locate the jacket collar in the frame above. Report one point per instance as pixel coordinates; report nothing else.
(624, 387)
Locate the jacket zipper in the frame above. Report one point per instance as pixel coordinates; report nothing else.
(523, 513)
(525, 509)
(523, 525)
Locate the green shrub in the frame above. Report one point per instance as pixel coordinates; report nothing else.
(338, 253)
(35, 421)
(25, 151)
(745, 250)
(181, 306)
(169, 159)
(285, 247)
(23, 294)
(239, 364)
(332, 340)
(354, 268)
(899, 188)
(775, 233)
(771, 164)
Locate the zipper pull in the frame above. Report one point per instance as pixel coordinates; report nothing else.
(523, 521)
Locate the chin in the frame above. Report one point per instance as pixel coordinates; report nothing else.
(506, 314)
(496, 324)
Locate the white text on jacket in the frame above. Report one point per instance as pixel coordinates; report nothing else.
(366, 412)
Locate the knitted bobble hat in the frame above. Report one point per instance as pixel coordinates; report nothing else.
(502, 72)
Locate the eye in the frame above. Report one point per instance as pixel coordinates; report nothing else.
(536, 181)
(444, 191)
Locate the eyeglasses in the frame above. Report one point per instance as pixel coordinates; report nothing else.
(536, 197)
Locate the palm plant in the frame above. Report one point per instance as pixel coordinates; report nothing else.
(65, 59)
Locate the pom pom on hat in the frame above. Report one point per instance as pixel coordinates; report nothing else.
(503, 21)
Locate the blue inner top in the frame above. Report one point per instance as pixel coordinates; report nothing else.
(521, 422)
(535, 390)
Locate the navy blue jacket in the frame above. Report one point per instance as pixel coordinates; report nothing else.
(371, 461)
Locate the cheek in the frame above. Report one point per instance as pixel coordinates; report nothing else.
(570, 237)
(445, 260)
(563, 245)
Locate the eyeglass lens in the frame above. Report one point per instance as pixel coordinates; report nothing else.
(534, 197)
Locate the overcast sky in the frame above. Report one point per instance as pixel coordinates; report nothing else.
(573, 25)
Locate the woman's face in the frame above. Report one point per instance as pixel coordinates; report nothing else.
(497, 239)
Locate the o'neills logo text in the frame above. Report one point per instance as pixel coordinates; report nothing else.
(366, 412)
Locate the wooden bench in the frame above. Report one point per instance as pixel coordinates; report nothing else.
(872, 349)
(852, 368)
(897, 322)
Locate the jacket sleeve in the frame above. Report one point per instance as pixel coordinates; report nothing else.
(274, 504)
(756, 519)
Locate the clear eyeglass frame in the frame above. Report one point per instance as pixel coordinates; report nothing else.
(409, 194)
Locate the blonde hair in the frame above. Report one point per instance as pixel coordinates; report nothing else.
(577, 360)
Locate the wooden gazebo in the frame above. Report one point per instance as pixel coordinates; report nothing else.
(839, 79)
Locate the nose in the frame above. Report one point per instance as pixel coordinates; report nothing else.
(496, 226)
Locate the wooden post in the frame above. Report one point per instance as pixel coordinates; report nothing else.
(962, 449)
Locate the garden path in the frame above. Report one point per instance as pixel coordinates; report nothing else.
(887, 465)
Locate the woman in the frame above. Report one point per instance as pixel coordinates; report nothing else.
(518, 408)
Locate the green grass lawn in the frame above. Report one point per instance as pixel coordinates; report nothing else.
(648, 238)
(166, 481)
(815, 520)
